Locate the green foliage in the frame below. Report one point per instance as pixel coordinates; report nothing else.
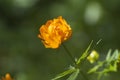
(74, 75)
(73, 71)
(96, 67)
(85, 54)
(69, 71)
(108, 65)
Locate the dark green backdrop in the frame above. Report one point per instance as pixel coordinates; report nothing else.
(23, 55)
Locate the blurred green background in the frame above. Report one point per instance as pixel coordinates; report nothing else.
(24, 56)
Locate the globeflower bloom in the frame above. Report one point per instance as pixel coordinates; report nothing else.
(54, 32)
(7, 77)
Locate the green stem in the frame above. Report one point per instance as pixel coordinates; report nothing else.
(69, 54)
(72, 58)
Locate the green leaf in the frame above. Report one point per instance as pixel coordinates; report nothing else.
(115, 55)
(113, 67)
(108, 55)
(71, 70)
(74, 75)
(107, 65)
(112, 57)
(85, 54)
(95, 68)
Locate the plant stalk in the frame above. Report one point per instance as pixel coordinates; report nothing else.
(72, 58)
(69, 54)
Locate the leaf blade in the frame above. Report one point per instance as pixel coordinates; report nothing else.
(64, 73)
(85, 53)
(74, 75)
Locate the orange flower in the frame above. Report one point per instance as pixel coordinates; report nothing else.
(54, 32)
(7, 77)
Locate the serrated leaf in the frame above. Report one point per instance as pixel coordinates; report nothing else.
(113, 67)
(95, 68)
(115, 55)
(108, 65)
(85, 54)
(64, 73)
(74, 75)
(112, 57)
(108, 55)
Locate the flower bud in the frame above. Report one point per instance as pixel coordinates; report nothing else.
(93, 56)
